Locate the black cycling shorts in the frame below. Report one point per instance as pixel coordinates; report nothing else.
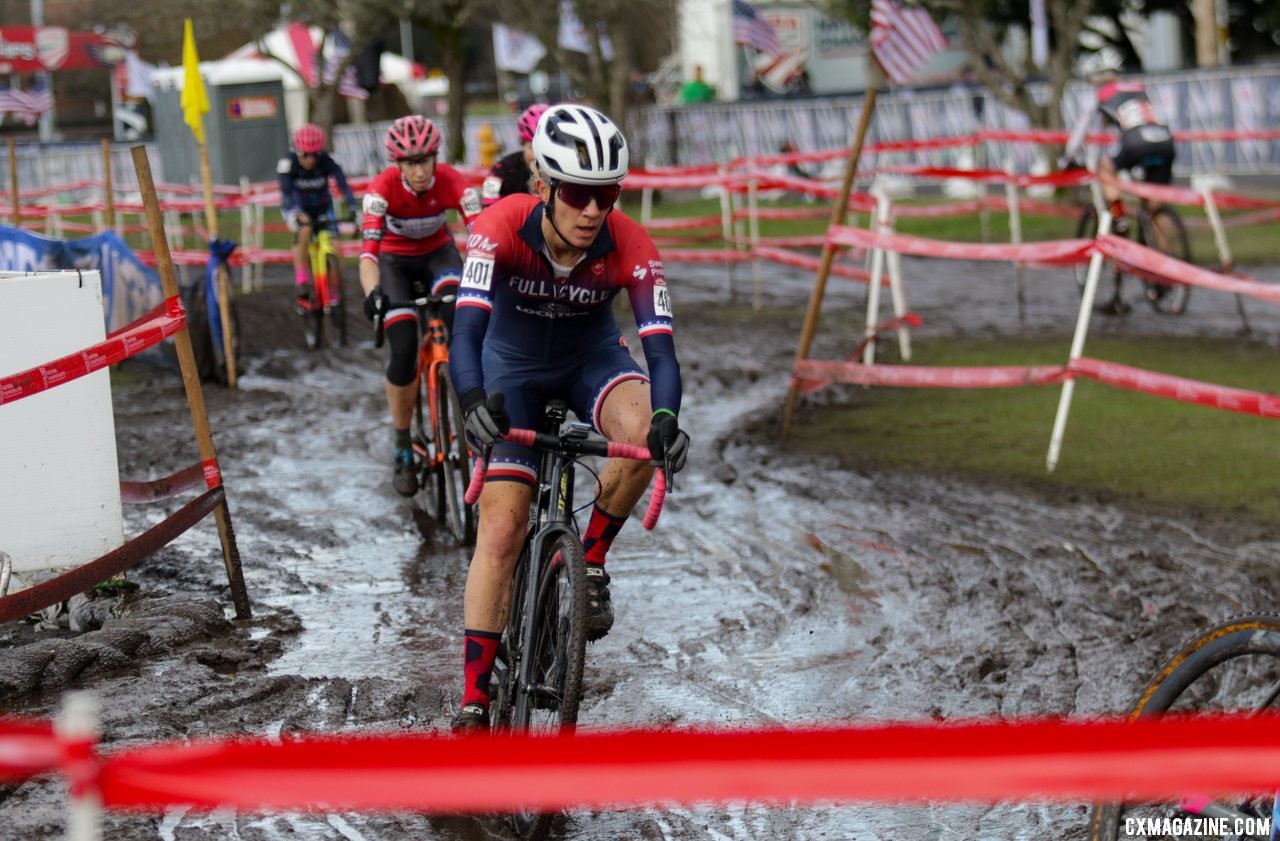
(1149, 147)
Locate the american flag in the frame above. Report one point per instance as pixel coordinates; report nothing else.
(26, 105)
(347, 84)
(750, 29)
(903, 39)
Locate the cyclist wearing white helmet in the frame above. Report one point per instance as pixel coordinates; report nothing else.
(512, 174)
(535, 321)
(1145, 140)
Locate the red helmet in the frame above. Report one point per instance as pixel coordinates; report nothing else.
(528, 120)
(309, 139)
(412, 137)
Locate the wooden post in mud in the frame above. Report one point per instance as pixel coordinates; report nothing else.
(191, 381)
(13, 185)
(838, 213)
(108, 191)
(224, 285)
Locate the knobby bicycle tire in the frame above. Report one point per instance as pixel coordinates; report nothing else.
(1232, 665)
(1162, 230)
(430, 498)
(557, 650)
(456, 468)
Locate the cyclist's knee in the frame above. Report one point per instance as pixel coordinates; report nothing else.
(402, 338)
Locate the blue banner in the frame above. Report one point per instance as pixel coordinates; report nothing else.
(130, 289)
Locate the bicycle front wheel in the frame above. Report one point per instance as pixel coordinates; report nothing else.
(1163, 231)
(1087, 228)
(457, 460)
(548, 702)
(429, 501)
(1232, 667)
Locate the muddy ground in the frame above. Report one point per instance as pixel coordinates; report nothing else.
(778, 590)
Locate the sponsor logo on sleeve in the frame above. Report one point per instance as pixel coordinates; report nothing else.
(640, 273)
(477, 273)
(492, 188)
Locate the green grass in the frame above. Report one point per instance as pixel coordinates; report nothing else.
(1117, 442)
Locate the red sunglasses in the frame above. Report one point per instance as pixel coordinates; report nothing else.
(578, 196)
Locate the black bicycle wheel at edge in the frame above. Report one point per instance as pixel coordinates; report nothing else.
(337, 304)
(456, 467)
(1163, 231)
(557, 651)
(1233, 666)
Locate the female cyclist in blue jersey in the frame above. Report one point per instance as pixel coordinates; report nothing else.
(534, 321)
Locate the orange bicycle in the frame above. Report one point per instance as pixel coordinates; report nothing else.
(442, 459)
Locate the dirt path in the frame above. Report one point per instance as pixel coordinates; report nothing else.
(778, 590)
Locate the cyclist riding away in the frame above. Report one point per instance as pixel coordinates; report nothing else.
(406, 238)
(1145, 141)
(511, 174)
(305, 200)
(535, 321)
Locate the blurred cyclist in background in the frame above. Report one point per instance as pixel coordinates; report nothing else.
(407, 245)
(1145, 140)
(305, 200)
(511, 174)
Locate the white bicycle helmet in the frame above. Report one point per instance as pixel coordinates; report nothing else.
(579, 144)
(1100, 65)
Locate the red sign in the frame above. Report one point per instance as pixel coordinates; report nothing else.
(252, 107)
(27, 49)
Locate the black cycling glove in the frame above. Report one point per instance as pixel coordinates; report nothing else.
(667, 442)
(374, 303)
(487, 419)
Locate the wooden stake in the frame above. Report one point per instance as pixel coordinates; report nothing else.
(224, 286)
(190, 377)
(108, 191)
(838, 214)
(13, 185)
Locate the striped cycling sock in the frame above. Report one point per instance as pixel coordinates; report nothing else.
(602, 528)
(479, 650)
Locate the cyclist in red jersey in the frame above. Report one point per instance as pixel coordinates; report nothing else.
(535, 321)
(407, 242)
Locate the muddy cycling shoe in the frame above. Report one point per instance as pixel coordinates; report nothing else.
(472, 718)
(405, 479)
(303, 303)
(599, 605)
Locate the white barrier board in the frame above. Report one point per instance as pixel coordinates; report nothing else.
(59, 478)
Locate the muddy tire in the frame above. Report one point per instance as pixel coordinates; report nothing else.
(429, 501)
(456, 467)
(1164, 231)
(1232, 667)
(337, 327)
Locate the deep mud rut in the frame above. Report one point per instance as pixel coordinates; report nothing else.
(778, 589)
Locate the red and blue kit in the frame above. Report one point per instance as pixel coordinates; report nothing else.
(532, 329)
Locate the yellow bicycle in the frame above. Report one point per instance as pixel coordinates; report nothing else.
(324, 320)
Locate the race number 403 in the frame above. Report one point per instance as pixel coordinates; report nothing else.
(477, 273)
(661, 301)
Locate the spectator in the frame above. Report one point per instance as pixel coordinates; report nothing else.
(697, 90)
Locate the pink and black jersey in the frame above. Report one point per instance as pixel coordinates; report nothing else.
(514, 302)
(399, 221)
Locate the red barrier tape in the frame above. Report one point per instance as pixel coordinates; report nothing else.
(165, 488)
(1178, 388)
(973, 761)
(1060, 253)
(810, 375)
(152, 328)
(27, 748)
(804, 261)
(1154, 265)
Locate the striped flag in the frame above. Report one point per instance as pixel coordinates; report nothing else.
(341, 49)
(902, 40)
(26, 105)
(754, 31)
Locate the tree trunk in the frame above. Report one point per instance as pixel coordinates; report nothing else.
(453, 60)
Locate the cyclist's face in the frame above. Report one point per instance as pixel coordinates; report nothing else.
(418, 171)
(579, 214)
(308, 160)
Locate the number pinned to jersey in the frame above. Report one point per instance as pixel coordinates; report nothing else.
(661, 301)
(477, 273)
(471, 202)
(492, 187)
(375, 205)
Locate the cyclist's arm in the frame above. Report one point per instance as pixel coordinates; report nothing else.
(1075, 143)
(288, 196)
(372, 228)
(475, 300)
(340, 178)
(651, 305)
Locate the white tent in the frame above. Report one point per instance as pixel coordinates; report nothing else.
(251, 64)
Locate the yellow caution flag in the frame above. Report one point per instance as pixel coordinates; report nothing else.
(195, 104)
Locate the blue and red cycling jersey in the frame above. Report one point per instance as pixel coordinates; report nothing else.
(513, 301)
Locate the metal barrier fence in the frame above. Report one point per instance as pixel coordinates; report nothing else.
(1239, 99)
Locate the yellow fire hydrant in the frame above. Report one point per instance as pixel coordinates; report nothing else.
(487, 145)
